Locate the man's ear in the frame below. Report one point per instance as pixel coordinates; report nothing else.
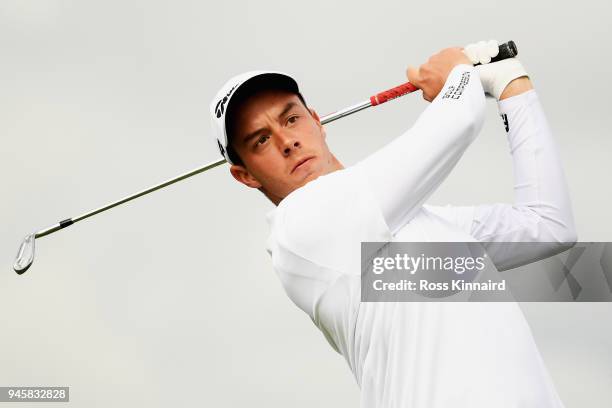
(315, 116)
(242, 175)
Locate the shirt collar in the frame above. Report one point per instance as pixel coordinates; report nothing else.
(270, 215)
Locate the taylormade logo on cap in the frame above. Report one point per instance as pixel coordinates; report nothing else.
(221, 104)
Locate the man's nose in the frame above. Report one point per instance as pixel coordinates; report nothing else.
(288, 142)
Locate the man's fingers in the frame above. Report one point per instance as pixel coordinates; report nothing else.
(414, 76)
(493, 47)
(482, 51)
(471, 51)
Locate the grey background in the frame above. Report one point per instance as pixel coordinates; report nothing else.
(171, 300)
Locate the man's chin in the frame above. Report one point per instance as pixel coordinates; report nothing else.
(311, 176)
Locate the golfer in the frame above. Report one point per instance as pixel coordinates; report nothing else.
(409, 355)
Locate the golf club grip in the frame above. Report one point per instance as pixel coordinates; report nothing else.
(506, 50)
(392, 93)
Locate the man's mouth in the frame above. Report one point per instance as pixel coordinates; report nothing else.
(301, 162)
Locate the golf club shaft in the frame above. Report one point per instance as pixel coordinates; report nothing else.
(506, 50)
(69, 221)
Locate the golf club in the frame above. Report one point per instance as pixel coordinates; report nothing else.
(25, 255)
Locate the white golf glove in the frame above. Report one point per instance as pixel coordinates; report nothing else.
(496, 76)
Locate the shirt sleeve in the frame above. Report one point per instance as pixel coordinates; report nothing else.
(541, 211)
(404, 173)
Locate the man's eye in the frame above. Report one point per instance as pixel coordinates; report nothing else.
(292, 119)
(262, 139)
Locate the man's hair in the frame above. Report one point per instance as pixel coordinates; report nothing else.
(236, 104)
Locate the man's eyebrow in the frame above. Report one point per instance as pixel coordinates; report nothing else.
(252, 135)
(288, 107)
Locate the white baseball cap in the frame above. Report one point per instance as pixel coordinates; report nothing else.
(243, 85)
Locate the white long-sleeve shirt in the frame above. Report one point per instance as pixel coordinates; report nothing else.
(426, 355)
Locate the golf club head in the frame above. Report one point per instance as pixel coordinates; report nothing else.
(25, 256)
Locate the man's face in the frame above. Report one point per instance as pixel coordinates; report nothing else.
(281, 143)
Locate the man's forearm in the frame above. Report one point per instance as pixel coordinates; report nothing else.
(541, 211)
(516, 87)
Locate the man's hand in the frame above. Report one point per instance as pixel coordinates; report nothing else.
(431, 76)
(501, 79)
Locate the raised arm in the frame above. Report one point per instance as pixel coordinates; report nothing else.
(541, 211)
(404, 173)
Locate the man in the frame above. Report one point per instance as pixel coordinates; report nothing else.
(403, 354)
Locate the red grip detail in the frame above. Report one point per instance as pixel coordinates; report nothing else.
(392, 93)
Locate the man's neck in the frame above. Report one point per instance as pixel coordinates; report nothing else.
(335, 166)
